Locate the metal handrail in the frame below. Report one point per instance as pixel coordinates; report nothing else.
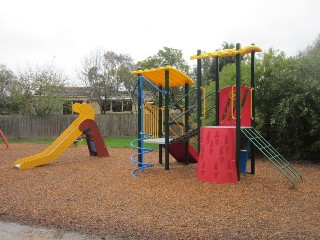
(183, 97)
(204, 103)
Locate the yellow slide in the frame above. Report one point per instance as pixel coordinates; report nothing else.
(62, 142)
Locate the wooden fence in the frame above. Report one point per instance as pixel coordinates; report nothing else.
(51, 126)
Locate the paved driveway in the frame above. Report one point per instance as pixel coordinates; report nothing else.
(14, 231)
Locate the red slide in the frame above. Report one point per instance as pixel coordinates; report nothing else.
(177, 151)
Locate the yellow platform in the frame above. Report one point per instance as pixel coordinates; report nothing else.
(62, 142)
(227, 52)
(157, 76)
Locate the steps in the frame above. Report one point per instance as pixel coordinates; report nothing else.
(185, 137)
(272, 154)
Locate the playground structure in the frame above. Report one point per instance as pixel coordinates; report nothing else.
(4, 139)
(219, 156)
(84, 124)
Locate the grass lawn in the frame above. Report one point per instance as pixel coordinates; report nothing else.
(111, 142)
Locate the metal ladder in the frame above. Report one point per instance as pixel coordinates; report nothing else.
(272, 154)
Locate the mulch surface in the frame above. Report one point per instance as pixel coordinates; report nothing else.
(98, 196)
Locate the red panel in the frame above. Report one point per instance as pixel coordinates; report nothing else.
(94, 138)
(226, 105)
(177, 151)
(217, 155)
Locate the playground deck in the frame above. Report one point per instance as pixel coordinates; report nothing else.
(98, 196)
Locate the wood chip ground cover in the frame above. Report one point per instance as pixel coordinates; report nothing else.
(98, 196)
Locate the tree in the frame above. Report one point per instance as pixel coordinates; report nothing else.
(170, 56)
(275, 80)
(108, 74)
(37, 90)
(310, 59)
(296, 118)
(6, 78)
(174, 58)
(288, 104)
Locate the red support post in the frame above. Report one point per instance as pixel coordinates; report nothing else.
(4, 138)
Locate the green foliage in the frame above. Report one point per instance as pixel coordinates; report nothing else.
(33, 91)
(296, 123)
(228, 75)
(37, 90)
(274, 78)
(288, 101)
(166, 56)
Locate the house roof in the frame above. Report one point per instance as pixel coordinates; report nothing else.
(78, 92)
(88, 93)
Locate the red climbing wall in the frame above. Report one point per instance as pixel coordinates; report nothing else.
(227, 103)
(217, 155)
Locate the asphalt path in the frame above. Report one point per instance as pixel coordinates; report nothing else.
(15, 231)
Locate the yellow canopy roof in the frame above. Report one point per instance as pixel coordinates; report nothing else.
(157, 76)
(228, 52)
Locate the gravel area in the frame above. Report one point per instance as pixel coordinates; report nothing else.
(98, 196)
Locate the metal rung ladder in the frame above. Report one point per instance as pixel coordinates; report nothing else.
(272, 154)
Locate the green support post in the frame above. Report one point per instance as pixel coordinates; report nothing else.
(217, 90)
(238, 110)
(186, 121)
(253, 119)
(160, 123)
(139, 122)
(198, 98)
(166, 119)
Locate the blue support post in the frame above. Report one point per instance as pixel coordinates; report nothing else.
(140, 119)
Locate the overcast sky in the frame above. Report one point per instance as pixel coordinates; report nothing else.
(65, 31)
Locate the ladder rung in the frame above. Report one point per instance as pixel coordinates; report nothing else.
(268, 146)
(285, 165)
(275, 156)
(253, 138)
(256, 138)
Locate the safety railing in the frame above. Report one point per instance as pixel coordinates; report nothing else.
(151, 117)
(233, 101)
